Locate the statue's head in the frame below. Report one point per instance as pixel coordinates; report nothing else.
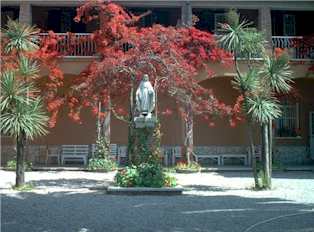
(145, 77)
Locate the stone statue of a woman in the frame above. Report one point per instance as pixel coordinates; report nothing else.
(145, 98)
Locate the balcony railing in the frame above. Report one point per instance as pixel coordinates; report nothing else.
(81, 45)
(75, 45)
(297, 47)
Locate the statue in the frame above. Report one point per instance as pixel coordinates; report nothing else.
(145, 98)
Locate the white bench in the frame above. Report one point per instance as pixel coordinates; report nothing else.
(258, 153)
(216, 158)
(53, 152)
(74, 153)
(122, 153)
(237, 156)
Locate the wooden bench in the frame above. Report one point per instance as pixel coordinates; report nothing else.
(74, 153)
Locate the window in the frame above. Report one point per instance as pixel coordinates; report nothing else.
(11, 12)
(288, 124)
(219, 18)
(289, 25)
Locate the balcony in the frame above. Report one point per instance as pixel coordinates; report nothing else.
(298, 48)
(80, 45)
(77, 45)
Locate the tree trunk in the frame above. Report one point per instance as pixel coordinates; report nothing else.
(106, 124)
(20, 142)
(270, 130)
(131, 126)
(262, 146)
(188, 143)
(98, 125)
(266, 171)
(252, 152)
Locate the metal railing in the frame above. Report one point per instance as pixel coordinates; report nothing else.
(297, 47)
(81, 45)
(75, 44)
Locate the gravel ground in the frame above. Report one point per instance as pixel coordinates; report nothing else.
(213, 202)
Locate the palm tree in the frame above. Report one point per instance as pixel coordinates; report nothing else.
(22, 111)
(258, 86)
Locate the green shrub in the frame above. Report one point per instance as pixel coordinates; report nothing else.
(150, 175)
(144, 175)
(104, 165)
(102, 148)
(11, 165)
(24, 188)
(183, 166)
(170, 181)
(127, 177)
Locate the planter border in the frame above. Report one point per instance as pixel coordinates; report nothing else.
(187, 171)
(165, 191)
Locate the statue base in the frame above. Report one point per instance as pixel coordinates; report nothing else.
(143, 122)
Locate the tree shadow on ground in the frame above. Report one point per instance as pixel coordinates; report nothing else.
(94, 211)
(74, 183)
(207, 188)
(275, 174)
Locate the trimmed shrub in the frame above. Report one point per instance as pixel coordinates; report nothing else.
(103, 165)
(11, 165)
(144, 175)
(127, 177)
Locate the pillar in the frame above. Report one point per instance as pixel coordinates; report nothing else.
(25, 15)
(186, 14)
(265, 24)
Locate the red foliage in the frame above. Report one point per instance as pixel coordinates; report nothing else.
(171, 56)
(305, 48)
(46, 56)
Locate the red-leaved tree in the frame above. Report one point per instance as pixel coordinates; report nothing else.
(171, 56)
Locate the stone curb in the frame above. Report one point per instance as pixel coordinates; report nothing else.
(165, 191)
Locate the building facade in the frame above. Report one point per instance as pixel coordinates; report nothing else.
(282, 22)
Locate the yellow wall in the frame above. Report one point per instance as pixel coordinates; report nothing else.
(68, 132)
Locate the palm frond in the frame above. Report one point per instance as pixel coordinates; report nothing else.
(252, 43)
(27, 67)
(21, 37)
(247, 83)
(231, 36)
(29, 118)
(14, 91)
(278, 74)
(263, 109)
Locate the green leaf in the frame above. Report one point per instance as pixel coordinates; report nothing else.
(263, 109)
(28, 67)
(21, 37)
(277, 73)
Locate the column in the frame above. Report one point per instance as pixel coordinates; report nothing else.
(265, 24)
(25, 15)
(186, 14)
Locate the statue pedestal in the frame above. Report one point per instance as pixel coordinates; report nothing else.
(145, 122)
(146, 140)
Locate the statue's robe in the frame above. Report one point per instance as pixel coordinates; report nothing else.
(145, 98)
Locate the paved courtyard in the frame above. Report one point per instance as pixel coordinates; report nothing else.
(213, 202)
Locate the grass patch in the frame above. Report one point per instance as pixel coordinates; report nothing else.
(24, 188)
